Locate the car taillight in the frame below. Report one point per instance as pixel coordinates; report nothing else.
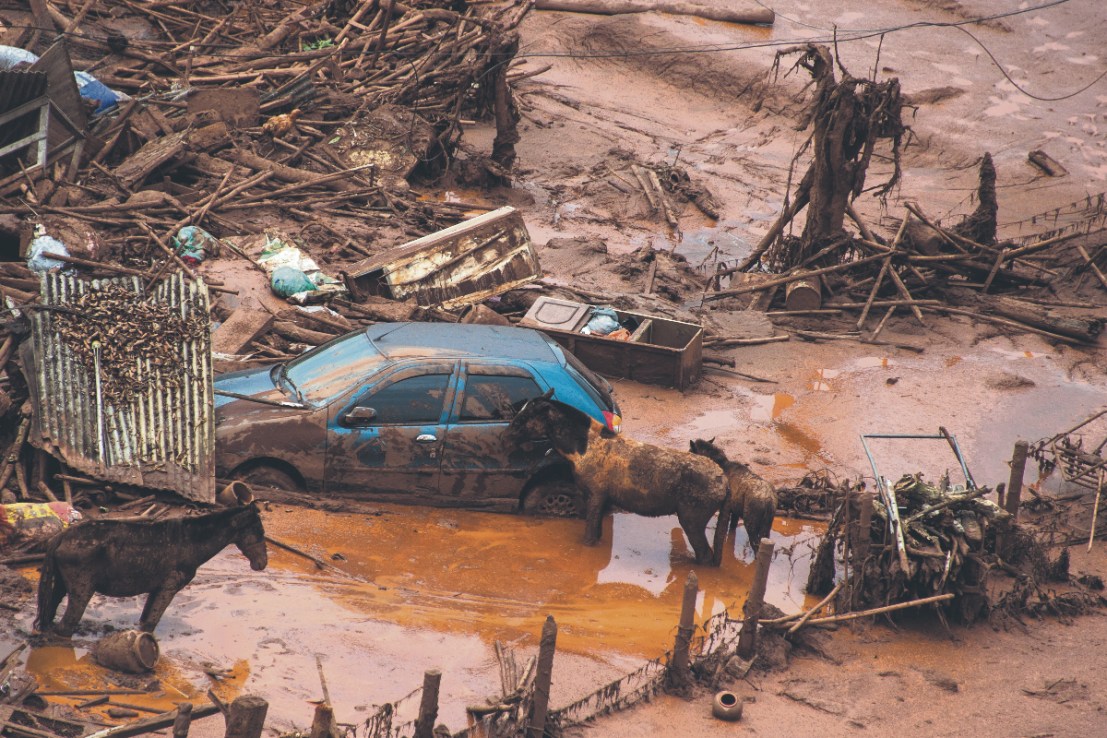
(613, 421)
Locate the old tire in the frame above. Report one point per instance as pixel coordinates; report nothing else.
(269, 477)
(726, 706)
(556, 499)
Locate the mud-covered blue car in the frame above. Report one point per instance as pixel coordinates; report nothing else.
(408, 412)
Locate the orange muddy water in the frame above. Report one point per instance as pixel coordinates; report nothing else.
(413, 589)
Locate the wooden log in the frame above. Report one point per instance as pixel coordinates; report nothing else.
(236, 333)
(1014, 484)
(881, 610)
(150, 724)
(792, 278)
(747, 639)
(323, 723)
(680, 670)
(246, 717)
(183, 721)
(1080, 328)
(729, 14)
(536, 721)
(286, 173)
(803, 294)
(294, 332)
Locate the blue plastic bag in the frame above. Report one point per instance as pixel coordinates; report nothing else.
(93, 89)
(287, 281)
(603, 321)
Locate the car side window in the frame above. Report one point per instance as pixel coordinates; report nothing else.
(491, 397)
(409, 401)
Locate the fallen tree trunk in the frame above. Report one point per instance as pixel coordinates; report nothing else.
(755, 15)
(1084, 329)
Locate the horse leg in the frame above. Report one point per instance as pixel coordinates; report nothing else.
(79, 595)
(593, 524)
(48, 607)
(159, 599)
(695, 525)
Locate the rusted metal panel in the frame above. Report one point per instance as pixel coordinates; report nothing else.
(164, 437)
(658, 351)
(461, 265)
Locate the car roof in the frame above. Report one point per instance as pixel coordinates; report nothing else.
(461, 340)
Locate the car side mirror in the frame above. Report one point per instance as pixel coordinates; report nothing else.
(359, 417)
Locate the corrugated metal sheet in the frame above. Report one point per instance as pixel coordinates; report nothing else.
(464, 264)
(164, 438)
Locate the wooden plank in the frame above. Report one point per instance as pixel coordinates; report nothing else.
(235, 334)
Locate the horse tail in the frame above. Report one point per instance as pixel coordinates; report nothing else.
(49, 596)
(722, 527)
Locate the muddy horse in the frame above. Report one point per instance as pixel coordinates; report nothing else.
(638, 477)
(128, 557)
(752, 498)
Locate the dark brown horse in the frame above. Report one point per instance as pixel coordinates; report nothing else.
(128, 557)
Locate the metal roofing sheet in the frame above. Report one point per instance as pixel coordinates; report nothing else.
(165, 436)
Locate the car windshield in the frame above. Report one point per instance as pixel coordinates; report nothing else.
(324, 373)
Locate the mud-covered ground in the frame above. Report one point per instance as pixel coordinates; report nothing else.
(421, 589)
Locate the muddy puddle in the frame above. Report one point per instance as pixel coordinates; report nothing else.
(416, 589)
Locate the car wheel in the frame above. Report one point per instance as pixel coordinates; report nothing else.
(269, 477)
(557, 499)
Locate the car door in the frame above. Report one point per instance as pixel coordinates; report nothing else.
(477, 462)
(385, 439)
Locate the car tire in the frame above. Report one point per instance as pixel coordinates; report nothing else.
(269, 477)
(554, 499)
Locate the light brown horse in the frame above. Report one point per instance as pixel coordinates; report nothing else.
(638, 477)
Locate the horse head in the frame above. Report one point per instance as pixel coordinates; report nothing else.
(545, 419)
(249, 536)
(707, 447)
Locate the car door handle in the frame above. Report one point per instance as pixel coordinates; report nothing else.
(426, 438)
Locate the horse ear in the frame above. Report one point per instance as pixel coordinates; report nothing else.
(712, 439)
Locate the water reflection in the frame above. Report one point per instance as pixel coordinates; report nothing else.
(422, 589)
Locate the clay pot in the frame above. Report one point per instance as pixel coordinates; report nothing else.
(131, 651)
(727, 706)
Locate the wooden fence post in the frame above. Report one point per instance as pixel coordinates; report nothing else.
(1014, 485)
(246, 717)
(680, 671)
(428, 705)
(747, 640)
(322, 724)
(536, 727)
(183, 721)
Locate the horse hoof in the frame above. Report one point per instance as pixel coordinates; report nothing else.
(727, 706)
